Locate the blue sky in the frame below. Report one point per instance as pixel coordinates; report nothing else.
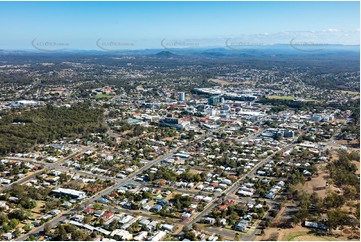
(137, 25)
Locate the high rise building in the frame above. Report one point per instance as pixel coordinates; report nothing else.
(215, 100)
(181, 96)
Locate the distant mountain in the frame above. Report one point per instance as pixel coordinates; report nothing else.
(215, 52)
(279, 50)
(166, 54)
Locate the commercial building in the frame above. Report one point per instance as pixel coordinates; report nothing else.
(69, 192)
(174, 122)
(181, 96)
(215, 100)
(272, 132)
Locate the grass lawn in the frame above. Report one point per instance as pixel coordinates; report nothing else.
(281, 97)
(304, 235)
(289, 98)
(350, 92)
(309, 100)
(103, 96)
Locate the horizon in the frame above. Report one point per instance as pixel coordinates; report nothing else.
(311, 47)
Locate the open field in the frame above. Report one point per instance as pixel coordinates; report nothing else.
(103, 96)
(309, 100)
(288, 98)
(349, 92)
(316, 183)
(347, 143)
(298, 233)
(281, 97)
(305, 236)
(246, 83)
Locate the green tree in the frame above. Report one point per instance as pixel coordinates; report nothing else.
(61, 233)
(335, 218)
(13, 223)
(19, 214)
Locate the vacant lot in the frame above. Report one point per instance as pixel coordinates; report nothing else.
(36, 212)
(305, 236)
(220, 82)
(317, 184)
(298, 233)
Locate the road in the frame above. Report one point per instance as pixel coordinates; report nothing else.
(235, 186)
(22, 180)
(291, 210)
(48, 165)
(210, 206)
(60, 167)
(232, 188)
(118, 184)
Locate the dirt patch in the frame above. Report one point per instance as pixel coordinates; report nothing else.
(311, 238)
(220, 82)
(127, 132)
(317, 183)
(347, 143)
(298, 233)
(36, 212)
(169, 139)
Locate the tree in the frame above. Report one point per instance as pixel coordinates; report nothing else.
(3, 218)
(60, 233)
(190, 235)
(69, 228)
(335, 218)
(97, 206)
(333, 200)
(31, 238)
(27, 228)
(77, 235)
(19, 214)
(300, 216)
(350, 192)
(28, 204)
(195, 226)
(13, 223)
(47, 229)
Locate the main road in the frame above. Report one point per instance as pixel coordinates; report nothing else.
(47, 165)
(61, 217)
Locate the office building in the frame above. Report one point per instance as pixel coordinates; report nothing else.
(215, 100)
(181, 96)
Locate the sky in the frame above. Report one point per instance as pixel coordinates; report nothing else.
(139, 25)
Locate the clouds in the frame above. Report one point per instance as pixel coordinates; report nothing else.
(328, 36)
(332, 30)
